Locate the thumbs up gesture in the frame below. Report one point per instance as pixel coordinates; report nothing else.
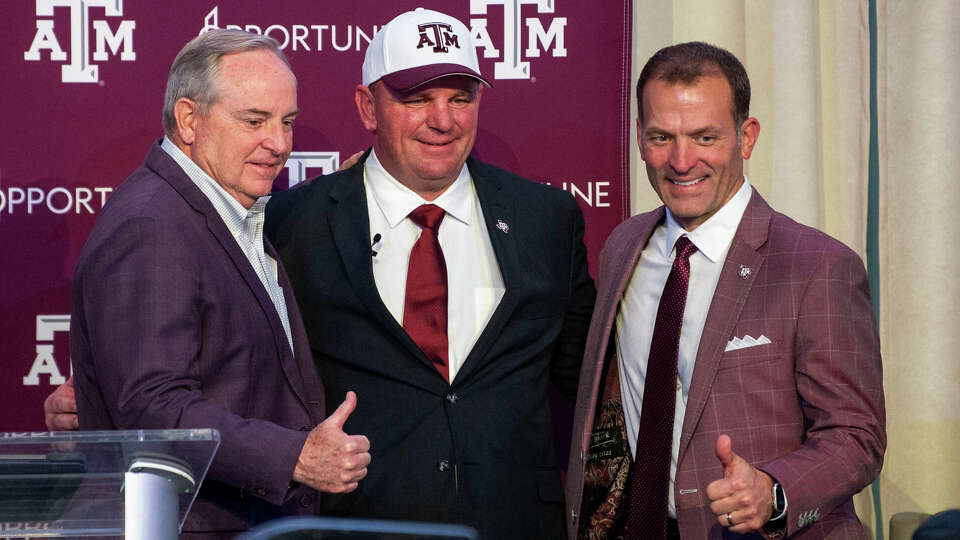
(743, 498)
(331, 460)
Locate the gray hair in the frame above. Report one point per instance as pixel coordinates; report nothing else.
(196, 68)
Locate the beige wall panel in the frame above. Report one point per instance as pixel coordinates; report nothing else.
(919, 82)
(715, 21)
(758, 29)
(652, 30)
(845, 120)
(795, 186)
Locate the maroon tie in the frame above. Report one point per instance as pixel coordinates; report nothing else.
(650, 476)
(425, 303)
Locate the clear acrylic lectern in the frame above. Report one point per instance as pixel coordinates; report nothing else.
(138, 484)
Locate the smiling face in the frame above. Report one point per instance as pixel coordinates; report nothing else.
(689, 141)
(422, 137)
(244, 138)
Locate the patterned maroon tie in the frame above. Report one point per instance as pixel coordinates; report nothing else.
(650, 476)
(425, 302)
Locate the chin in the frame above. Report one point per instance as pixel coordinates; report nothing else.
(448, 173)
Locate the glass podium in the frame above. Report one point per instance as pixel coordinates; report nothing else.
(139, 484)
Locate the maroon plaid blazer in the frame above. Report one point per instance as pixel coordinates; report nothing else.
(806, 408)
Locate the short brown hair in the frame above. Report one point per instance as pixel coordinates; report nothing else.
(687, 62)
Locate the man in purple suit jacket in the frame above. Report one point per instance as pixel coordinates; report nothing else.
(181, 315)
(779, 414)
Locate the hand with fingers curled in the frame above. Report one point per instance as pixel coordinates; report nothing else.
(332, 461)
(60, 408)
(743, 498)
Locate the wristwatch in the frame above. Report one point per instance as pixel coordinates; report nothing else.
(779, 502)
(776, 527)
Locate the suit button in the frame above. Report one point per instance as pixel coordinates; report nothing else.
(452, 397)
(260, 491)
(306, 501)
(443, 465)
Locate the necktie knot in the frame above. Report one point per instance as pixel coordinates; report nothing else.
(427, 216)
(685, 248)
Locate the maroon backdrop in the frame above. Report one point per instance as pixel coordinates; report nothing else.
(82, 88)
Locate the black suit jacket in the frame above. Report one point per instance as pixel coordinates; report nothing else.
(480, 450)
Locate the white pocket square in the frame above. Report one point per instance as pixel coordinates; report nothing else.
(736, 343)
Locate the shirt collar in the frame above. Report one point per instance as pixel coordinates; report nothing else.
(396, 200)
(230, 210)
(714, 235)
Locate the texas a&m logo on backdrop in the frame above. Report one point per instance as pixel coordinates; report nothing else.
(303, 165)
(117, 38)
(44, 363)
(512, 64)
(529, 31)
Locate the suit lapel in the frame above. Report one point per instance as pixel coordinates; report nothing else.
(498, 209)
(350, 228)
(298, 367)
(728, 300)
(168, 169)
(618, 261)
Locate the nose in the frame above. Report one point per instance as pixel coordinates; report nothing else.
(439, 116)
(277, 138)
(682, 156)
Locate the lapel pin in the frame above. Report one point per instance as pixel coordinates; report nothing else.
(744, 272)
(504, 228)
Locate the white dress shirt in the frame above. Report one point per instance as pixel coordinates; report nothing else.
(641, 299)
(474, 283)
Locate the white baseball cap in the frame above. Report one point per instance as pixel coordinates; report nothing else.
(420, 46)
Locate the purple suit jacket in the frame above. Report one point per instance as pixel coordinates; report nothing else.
(807, 408)
(172, 328)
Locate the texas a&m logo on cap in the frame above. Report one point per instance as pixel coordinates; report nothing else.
(437, 35)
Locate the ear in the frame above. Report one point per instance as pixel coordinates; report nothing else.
(640, 139)
(365, 106)
(749, 132)
(186, 113)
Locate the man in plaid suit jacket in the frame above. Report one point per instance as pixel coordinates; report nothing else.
(779, 400)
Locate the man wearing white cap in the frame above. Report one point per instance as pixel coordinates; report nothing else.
(445, 295)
